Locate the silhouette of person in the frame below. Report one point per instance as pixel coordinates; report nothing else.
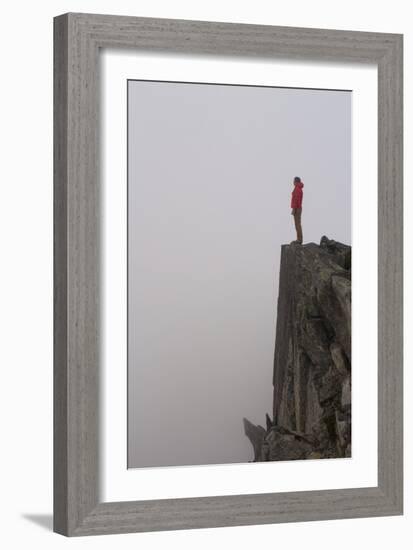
(296, 205)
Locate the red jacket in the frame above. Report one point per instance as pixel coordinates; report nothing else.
(297, 195)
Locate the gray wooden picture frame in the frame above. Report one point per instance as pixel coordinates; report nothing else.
(77, 41)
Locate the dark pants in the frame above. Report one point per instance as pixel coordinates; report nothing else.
(297, 221)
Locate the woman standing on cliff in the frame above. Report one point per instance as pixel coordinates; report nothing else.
(296, 205)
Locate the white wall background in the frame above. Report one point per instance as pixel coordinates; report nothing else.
(26, 274)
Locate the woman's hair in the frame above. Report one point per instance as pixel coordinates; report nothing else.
(297, 178)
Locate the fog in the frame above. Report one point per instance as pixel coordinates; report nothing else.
(210, 171)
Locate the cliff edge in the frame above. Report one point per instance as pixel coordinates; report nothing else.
(311, 415)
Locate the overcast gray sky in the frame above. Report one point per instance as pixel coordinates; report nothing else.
(210, 182)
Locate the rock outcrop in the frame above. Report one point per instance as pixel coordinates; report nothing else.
(311, 415)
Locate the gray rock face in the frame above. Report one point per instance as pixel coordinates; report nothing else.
(312, 360)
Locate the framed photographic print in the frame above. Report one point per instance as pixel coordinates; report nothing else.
(228, 274)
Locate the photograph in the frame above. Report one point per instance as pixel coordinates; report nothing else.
(239, 273)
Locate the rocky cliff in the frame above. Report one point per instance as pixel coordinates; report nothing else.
(311, 415)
